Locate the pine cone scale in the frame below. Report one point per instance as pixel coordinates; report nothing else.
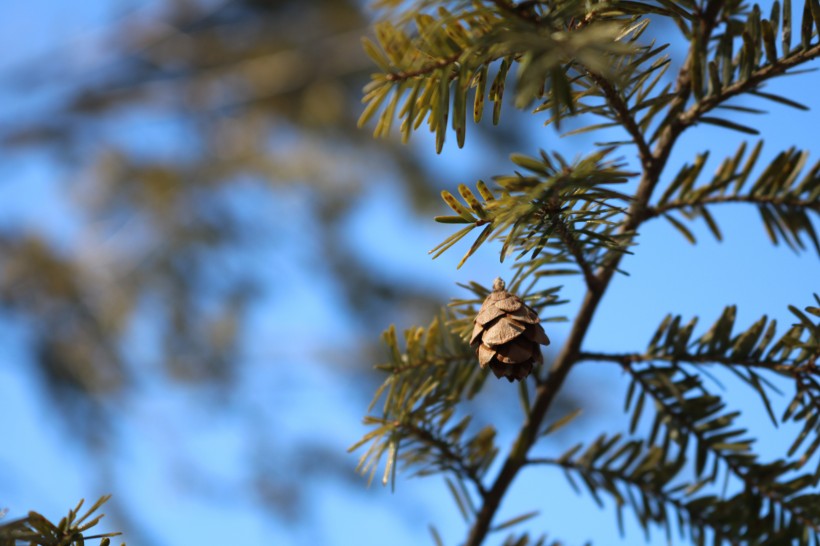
(525, 314)
(502, 331)
(514, 353)
(509, 304)
(475, 338)
(489, 314)
(538, 335)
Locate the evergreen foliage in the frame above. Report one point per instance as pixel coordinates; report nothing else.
(441, 62)
(36, 530)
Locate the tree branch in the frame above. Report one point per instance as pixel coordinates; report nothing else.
(402, 75)
(621, 110)
(789, 201)
(441, 360)
(456, 461)
(611, 477)
(674, 124)
(574, 248)
(522, 10)
(508, 7)
(627, 359)
(778, 68)
(546, 392)
(743, 473)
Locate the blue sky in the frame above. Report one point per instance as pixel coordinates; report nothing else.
(167, 438)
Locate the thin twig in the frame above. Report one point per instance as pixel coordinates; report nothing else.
(456, 461)
(791, 369)
(403, 75)
(777, 68)
(788, 201)
(621, 110)
(575, 249)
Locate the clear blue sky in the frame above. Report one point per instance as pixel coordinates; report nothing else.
(165, 431)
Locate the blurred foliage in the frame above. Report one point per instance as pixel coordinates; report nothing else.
(255, 98)
(36, 530)
(176, 147)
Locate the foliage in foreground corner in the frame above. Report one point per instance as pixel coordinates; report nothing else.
(682, 463)
(36, 530)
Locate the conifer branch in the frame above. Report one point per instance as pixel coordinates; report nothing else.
(623, 115)
(571, 243)
(454, 461)
(787, 201)
(436, 360)
(639, 483)
(532, 203)
(571, 350)
(734, 461)
(672, 127)
(629, 359)
(777, 68)
(35, 529)
(507, 6)
(403, 75)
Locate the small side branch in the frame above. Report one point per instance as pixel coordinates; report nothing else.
(403, 75)
(506, 6)
(522, 10)
(778, 68)
(452, 461)
(621, 110)
(569, 240)
(787, 201)
(629, 359)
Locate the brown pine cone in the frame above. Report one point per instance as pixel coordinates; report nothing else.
(506, 335)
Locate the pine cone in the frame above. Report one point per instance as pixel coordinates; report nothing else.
(506, 335)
